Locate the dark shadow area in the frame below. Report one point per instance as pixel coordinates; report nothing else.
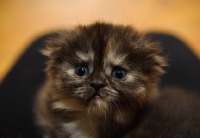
(17, 92)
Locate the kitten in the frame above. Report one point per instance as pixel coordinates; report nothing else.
(102, 83)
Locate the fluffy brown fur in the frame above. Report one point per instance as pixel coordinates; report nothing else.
(123, 72)
(174, 114)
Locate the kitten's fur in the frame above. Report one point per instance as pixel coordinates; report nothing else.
(98, 105)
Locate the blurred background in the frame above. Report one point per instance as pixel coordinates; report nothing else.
(23, 21)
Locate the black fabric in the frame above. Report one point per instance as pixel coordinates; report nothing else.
(18, 89)
(184, 67)
(17, 93)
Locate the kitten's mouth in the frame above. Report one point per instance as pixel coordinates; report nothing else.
(96, 96)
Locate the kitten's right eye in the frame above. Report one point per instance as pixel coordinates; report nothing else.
(81, 70)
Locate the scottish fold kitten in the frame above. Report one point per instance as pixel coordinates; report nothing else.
(102, 83)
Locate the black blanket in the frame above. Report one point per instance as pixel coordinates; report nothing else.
(18, 89)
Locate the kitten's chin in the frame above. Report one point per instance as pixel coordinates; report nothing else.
(98, 106)
(97, 101)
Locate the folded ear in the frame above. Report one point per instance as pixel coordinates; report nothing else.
(154, 56)
(54, 43)
(158, 61)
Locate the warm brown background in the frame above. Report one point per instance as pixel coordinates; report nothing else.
(22, 21)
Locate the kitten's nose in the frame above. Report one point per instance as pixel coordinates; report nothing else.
(97, 85)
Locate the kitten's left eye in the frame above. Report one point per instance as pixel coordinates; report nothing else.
(81, 70)
(118, 73)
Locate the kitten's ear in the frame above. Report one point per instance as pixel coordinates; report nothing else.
(154, 60)
(159, 60)
(53, 44)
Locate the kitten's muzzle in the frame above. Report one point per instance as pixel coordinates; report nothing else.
(97, 89)
(97, 85)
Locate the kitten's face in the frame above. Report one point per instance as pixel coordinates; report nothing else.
(104, 67)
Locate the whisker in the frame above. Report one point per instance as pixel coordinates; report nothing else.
(116, 107)
(89, 115)
(105, 118)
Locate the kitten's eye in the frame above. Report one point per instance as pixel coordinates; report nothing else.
(118, 73)
(81, 70)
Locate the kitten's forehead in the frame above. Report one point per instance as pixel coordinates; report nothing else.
(101, 45)
(113, 55)
(105, 45)
(85, 57)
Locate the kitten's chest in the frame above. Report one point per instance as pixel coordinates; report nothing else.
(74, 130)
(92, 128)
(80, 129)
